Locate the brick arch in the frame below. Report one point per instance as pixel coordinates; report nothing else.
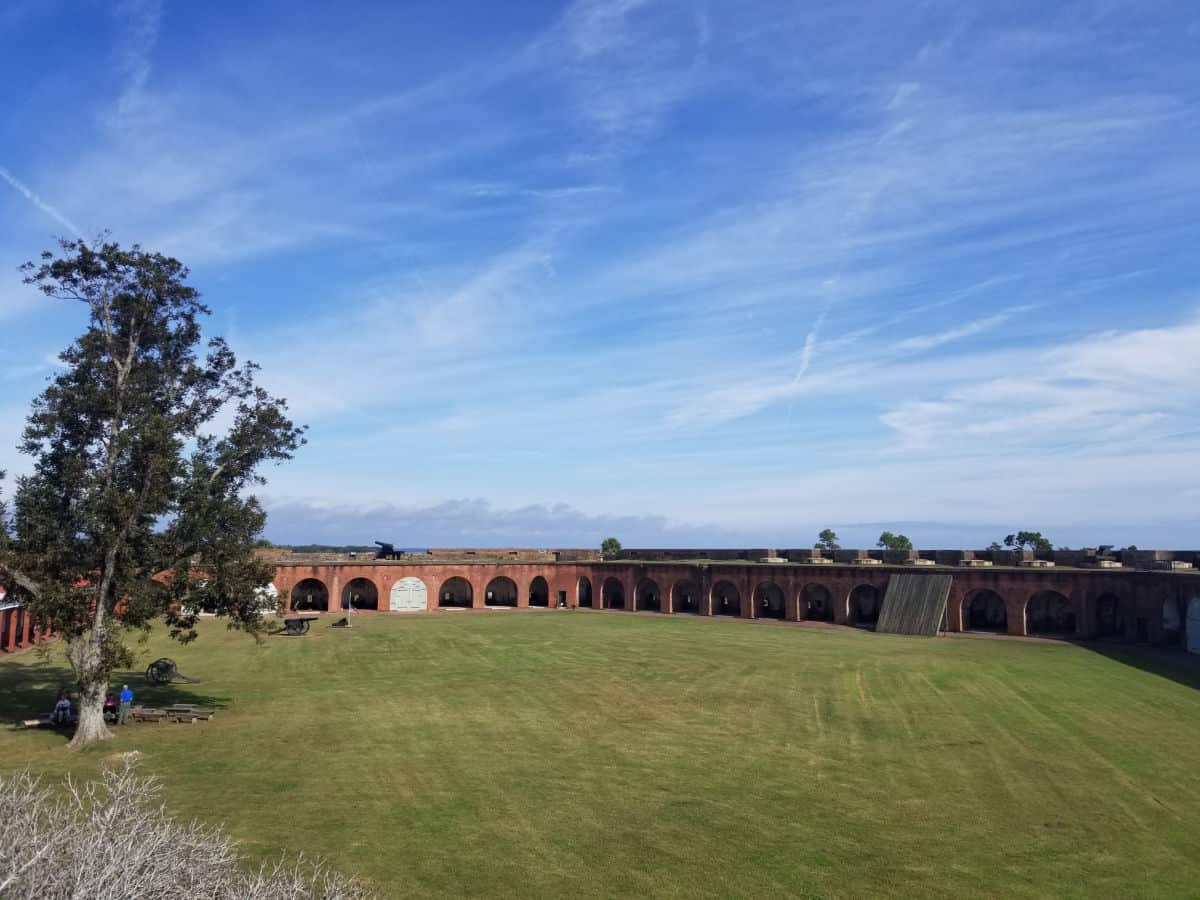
(500, 591)
(362, 592)
(583, 592)
(539, 591)
(770, 600)
(985, 609)
(816, 602)
(863, 603)
(456, 592)
(612, 594)
(725, 599)
(1051, 612)
(1111, 614)
(647, 596)
(309, 595)
(686, 596)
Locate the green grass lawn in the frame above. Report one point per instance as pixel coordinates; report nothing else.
(605, 754)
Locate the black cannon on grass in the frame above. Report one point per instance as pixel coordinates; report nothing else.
(164, 671)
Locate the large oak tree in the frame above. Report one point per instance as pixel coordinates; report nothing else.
(144, 446)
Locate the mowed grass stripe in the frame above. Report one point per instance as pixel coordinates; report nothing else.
(596, 755)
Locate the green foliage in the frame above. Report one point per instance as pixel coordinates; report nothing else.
(129, 479)
(995, 545)
(1028, 540)
(827, 540)
(890, 541)
(609, 546)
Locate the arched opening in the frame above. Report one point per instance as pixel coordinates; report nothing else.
(310, 595)
(500, 591)
(360, 593)
(726, 601)
(1110, 618)
(769, 602)
(985, 611)
(409, 595)
(647, 596)
(455, 593)
(1049, 612)
(1174, 622)
(685, 597)
(612, 594)
(585, 592)
(539, 592)
(865, 602)
(818, 603)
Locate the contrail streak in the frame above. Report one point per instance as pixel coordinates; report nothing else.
(20, 188)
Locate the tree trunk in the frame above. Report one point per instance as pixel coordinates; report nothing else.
(92, 727)
(84, 653)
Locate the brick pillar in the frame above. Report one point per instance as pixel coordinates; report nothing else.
(665, 601)
(8, 624)
(26, 627)
(793, 607)
(335, 594)
(704, 583)
(1014, 608)
(1086, 624)
(840, 595)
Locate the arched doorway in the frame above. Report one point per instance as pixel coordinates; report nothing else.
(539, 592)
(726, 601)
(818, 603)
(310, 595)
(585, 592)
(1174, 622)
(1110, 618)
(455, 593)
(612, 594)
(685, 597)
(769, 602)
(647, 596)
(360, 593)
(985, 611)
(865, 603)
(500, 591)
(409, 595)
(1049, 612)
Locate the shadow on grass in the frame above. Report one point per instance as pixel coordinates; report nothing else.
(1167, 662)
(28, 691)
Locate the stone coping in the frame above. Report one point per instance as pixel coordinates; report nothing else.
(825, 565)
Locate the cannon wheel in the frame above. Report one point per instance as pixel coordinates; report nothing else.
(161, 671)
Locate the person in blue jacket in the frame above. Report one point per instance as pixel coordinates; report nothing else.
(126, 701)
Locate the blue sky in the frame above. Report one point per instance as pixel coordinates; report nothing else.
(687, 272)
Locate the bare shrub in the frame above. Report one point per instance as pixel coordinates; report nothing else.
(113, 839)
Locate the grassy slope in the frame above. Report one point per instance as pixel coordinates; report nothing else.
(553, 754)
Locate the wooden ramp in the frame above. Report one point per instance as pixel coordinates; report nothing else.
(915, 604)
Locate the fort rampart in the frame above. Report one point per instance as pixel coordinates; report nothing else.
(1133, 604)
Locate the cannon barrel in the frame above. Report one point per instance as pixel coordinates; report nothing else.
(386, 550)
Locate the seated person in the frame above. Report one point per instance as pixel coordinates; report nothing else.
(110, 708)
(62, 711)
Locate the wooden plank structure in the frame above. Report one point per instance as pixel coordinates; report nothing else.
(915, 604)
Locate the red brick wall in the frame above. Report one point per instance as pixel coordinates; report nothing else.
(1140, 595)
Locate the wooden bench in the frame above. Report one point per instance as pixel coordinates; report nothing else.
(147, 714)
(186, 712)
